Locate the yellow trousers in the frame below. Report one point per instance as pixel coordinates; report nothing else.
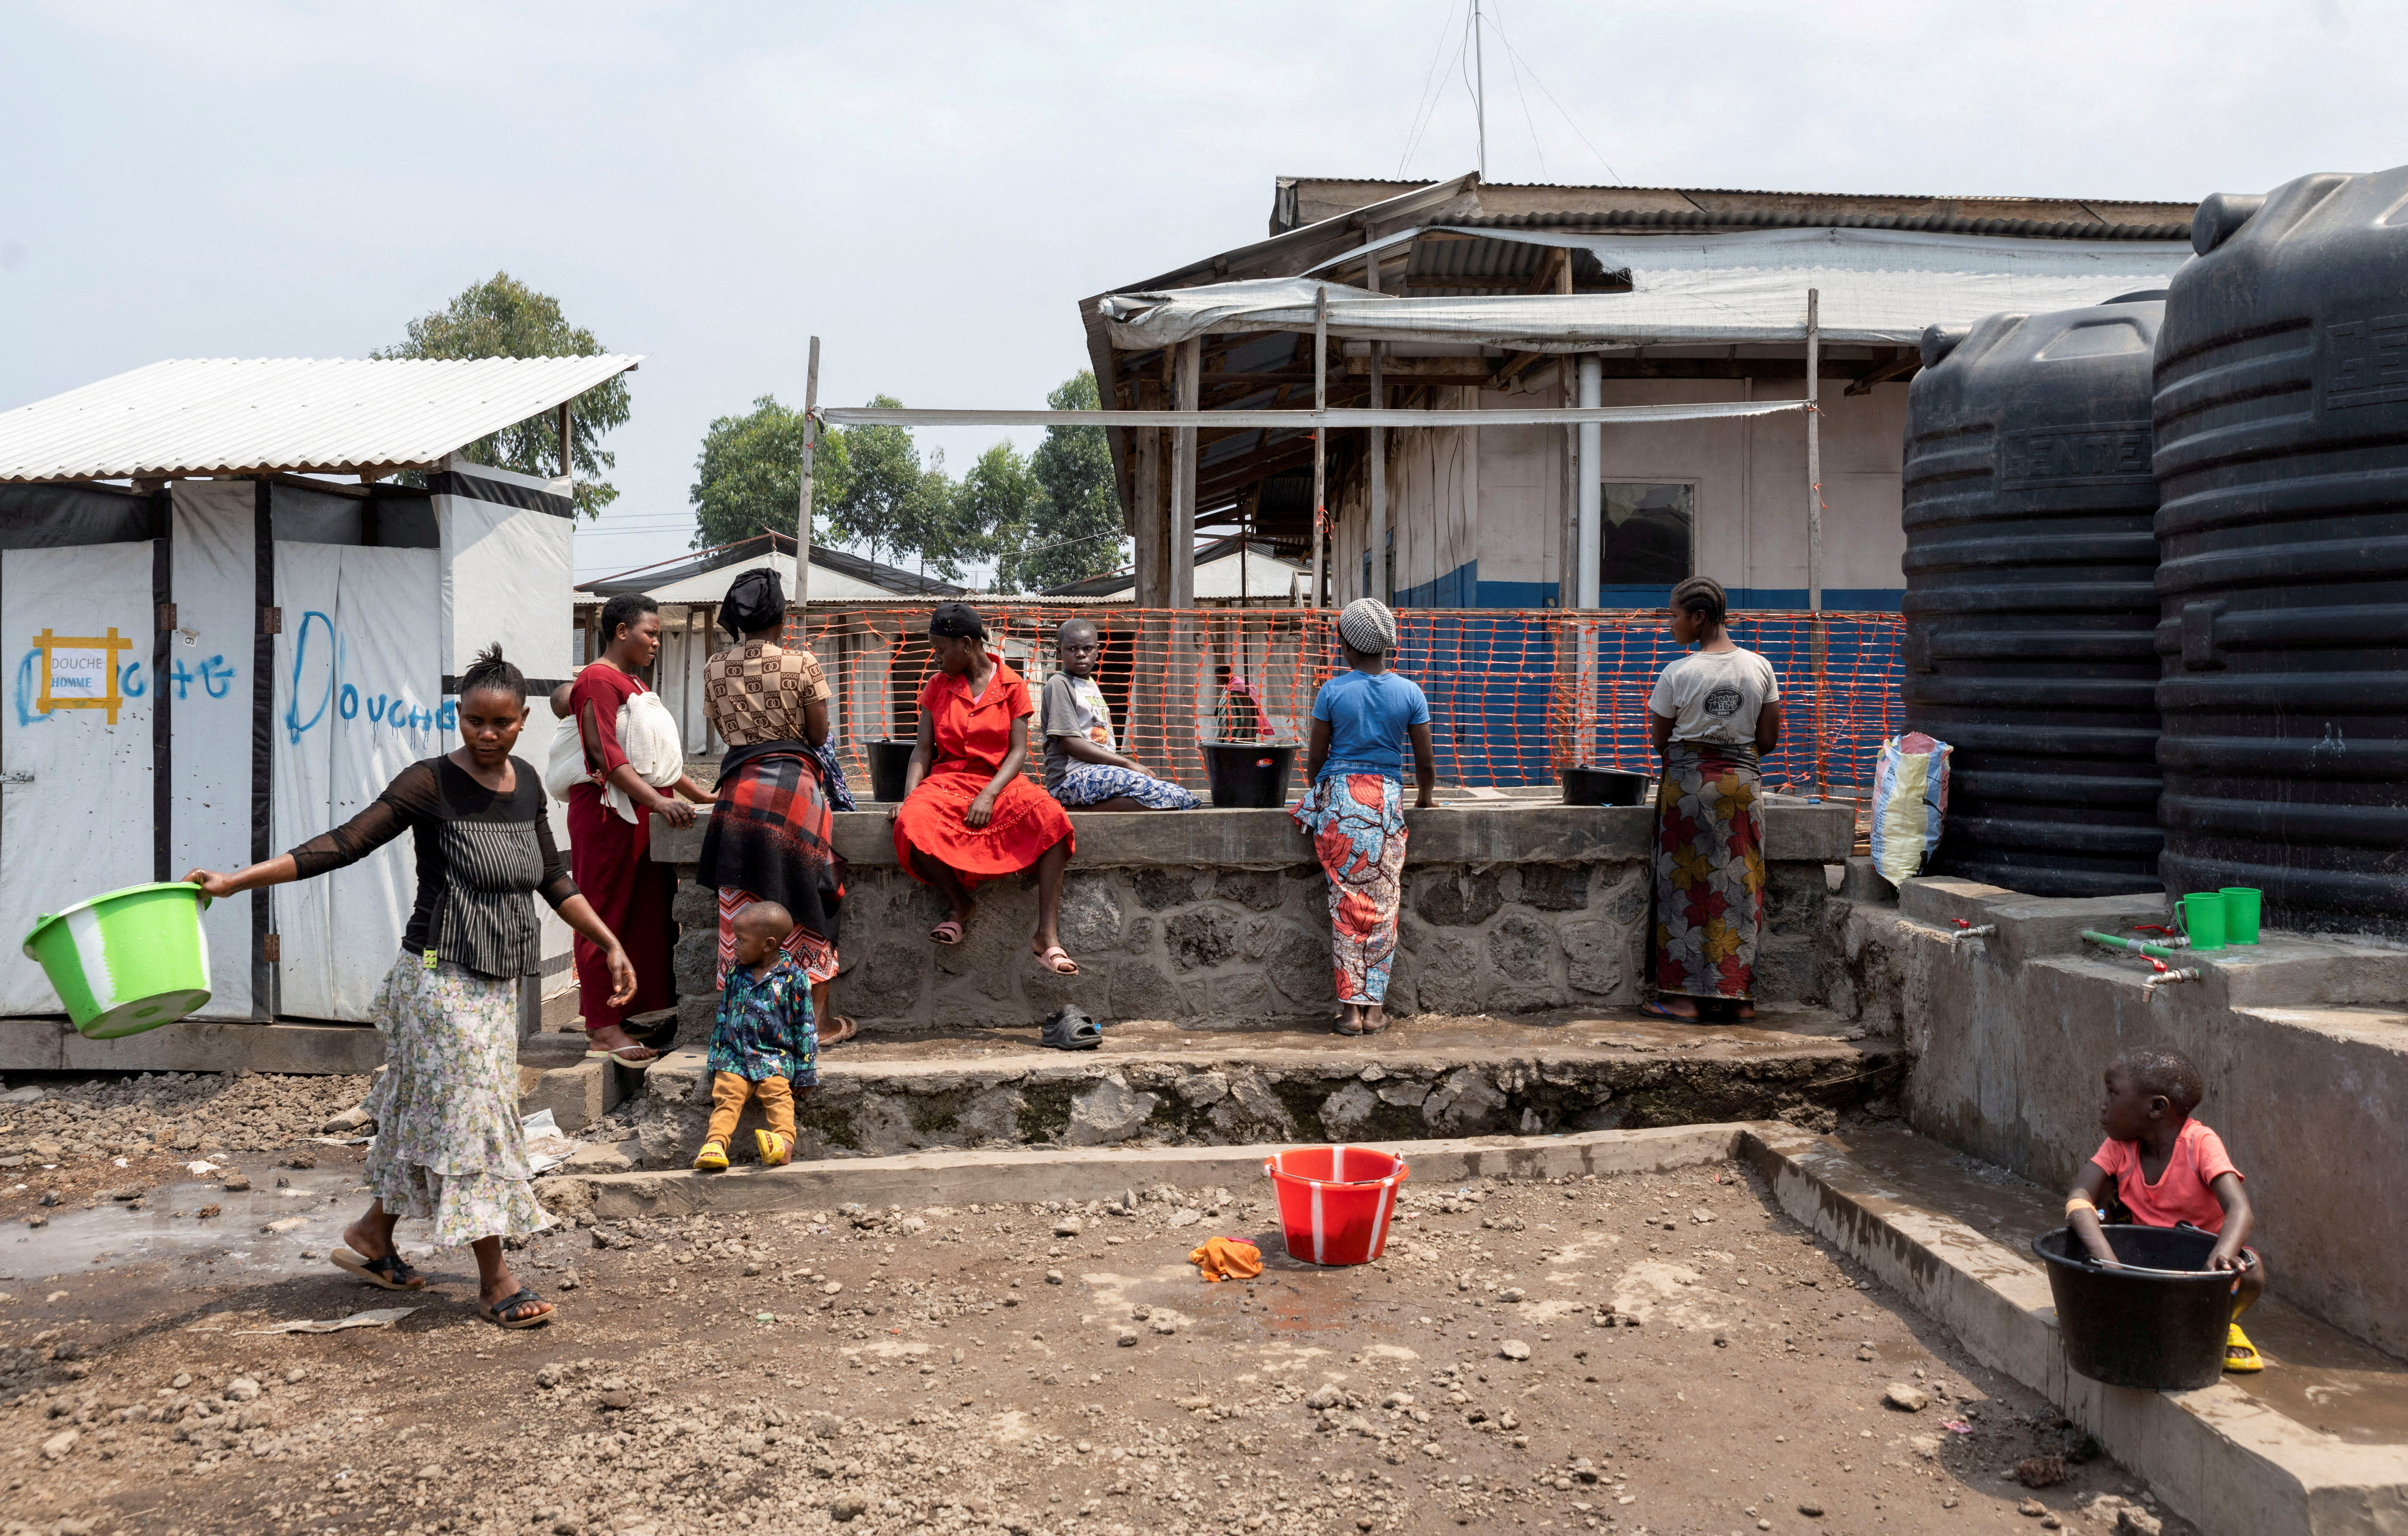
(729, 1094)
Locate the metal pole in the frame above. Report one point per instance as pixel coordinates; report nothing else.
(567, 465)
(1378, 585)
(1480, 95)
(1183, 477)
(1813, 452)
(810, 475)
(1590, 551)
(1320, 404)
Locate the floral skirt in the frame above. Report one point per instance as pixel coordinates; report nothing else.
(1092, 783)
(1358, 830)
(448, 1146)
(1708, 872)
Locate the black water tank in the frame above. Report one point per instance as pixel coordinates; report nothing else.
(2028, 605)
(2282, 424)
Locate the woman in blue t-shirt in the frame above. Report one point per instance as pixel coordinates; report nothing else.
(1355, 808)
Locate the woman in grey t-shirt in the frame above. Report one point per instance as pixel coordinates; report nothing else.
(1714, 713)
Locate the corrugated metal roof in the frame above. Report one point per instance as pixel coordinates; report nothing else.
(226, 415)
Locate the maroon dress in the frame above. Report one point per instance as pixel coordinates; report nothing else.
(612, 862)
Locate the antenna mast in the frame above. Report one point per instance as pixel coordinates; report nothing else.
(1480, 93)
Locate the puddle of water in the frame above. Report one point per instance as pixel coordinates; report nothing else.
(109, 1235)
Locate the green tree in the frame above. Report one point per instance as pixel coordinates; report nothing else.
(1073, 528)
(899, 508)
(503, 317)
(997, 502)
(748, 479)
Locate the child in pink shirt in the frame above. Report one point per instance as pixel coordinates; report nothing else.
(2162, 1167)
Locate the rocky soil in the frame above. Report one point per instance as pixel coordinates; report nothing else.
(71, 1138)
(1649, 1353)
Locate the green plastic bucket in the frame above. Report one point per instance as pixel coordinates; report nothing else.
(127, 961)
(2203, 919)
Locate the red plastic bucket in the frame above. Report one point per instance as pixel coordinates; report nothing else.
(1335, 1203)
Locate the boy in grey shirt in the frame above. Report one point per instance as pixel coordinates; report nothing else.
(1083, 767)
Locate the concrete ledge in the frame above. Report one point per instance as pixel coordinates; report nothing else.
(940, 1178)
(2229, 1460)
(578, 1095)
(51, 1045)
(1505, 832)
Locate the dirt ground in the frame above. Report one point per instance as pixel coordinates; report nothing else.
(1661, 1353)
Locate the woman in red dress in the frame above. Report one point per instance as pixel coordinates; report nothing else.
(612, 858)
(967, 815)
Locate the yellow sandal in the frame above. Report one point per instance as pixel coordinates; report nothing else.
(712, 1158)
(2240, 1354)
(775, 1149)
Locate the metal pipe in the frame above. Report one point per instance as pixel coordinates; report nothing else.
(1813, 451)
(1378, 585)
(1183, 477)
(1589, 548)
(1320, 404)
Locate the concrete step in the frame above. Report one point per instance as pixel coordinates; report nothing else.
(2318, 1444)
(1154, 1083)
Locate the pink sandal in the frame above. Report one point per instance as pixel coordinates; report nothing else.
(946, 932)
(1056, 959)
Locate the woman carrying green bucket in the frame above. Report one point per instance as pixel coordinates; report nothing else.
(448, 1147)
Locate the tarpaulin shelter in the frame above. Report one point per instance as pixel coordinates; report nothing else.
(280, 642)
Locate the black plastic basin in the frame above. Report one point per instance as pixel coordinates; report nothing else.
(1247, 775)
(889, 764)
(2159, 1324)
(1604, 786)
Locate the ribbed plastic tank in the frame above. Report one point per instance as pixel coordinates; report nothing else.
(2282, 462)
(2030, 608)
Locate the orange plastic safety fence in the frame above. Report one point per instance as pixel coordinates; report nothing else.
(1515, 695)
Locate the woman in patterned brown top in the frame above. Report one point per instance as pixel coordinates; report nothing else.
(448, 1148)
(769, 837)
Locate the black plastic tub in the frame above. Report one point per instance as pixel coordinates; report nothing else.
(889, 764)
(1247, 775)
(2159, 1324)
(1604, 786)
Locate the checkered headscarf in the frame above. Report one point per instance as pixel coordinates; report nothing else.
(1368, 626)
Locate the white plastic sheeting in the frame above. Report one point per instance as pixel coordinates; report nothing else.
(221, 415)
(208, 685)
(74, 787)
(356, 702)
(1880, 287)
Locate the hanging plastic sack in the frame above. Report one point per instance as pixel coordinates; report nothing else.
(1910, 802)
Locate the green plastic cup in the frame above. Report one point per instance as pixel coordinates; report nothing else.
(2240, 905)
(127, 961)
(2203, 919)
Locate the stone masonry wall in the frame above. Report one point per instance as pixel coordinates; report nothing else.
(1228, 948)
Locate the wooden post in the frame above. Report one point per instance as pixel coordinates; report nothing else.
(1378, 585)
(1153, 556)
(567, 464)
(1813, 452)
(1320, 404)
(1183, 477)
(810, 475)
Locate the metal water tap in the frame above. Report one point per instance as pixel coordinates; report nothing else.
(1967, 930)
(2167, 978)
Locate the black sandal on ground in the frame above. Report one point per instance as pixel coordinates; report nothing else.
(512, 1304)
(389, 1273)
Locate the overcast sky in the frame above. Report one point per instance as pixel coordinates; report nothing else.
(932, 188)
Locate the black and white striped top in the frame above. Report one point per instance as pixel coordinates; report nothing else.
(481, 855)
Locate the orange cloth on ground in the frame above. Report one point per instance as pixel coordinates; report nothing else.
(1228, 1258)
(970, 737)
(2181, 1191)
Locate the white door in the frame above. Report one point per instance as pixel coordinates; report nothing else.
(357, 700)
(74, 741)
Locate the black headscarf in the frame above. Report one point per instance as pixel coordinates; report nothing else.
(756, 600)
(958, 621)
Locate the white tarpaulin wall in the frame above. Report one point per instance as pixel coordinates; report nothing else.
(1878, 287)
(508, 574)
(357, 701)
(75, 783)
(212, 547)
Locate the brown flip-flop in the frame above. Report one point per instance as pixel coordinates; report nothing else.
(846, 1028)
